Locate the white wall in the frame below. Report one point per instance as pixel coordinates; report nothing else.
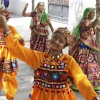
(76, 8)
(17, 6)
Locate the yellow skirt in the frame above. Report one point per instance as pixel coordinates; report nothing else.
(51, 94)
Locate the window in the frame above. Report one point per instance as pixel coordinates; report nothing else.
(59, 10)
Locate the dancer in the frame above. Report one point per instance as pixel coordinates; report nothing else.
(52, 68)
(83, 47)
(40, 21)
(8, 63)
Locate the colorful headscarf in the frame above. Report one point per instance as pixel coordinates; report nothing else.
(76, 30)
(44, 15)
(65, 32)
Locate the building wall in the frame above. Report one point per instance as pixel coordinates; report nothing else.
(76, 8)
(17, 6)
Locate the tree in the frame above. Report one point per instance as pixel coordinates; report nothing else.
(98, 33)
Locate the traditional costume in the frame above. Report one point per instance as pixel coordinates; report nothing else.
(8, 63)
(83, 47)
(51, 73)
(39, 31)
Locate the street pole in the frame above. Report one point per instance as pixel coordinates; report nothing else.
(33, 5)
(98, 33)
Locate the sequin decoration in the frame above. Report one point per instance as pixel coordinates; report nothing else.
(51, 85)
(55, 76)
(55, 57)
(30, 96)
(13, 64)
(8, 66)
(59, 67)
(50, 75)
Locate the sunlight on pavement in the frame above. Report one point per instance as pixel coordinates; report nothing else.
(2, 98)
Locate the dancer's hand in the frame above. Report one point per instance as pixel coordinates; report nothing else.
(3, 23)
(1, 18)
(21, 41)
(26, 5)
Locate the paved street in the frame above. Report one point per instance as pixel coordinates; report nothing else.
(25, 74)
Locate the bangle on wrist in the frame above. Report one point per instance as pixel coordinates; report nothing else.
(98, 17)
(6, 33)
(97, 98)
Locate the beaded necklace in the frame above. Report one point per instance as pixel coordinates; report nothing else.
(55, 57)
(39, 18)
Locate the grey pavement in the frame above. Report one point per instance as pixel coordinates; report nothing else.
(25, 73)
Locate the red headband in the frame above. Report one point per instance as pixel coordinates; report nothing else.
(65, 32)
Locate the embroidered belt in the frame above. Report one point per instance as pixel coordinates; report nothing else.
(8, 66)
(50, 85)
(2, 43)
(39, 34)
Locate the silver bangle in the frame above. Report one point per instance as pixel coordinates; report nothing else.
(6, 33)
(97, 98)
